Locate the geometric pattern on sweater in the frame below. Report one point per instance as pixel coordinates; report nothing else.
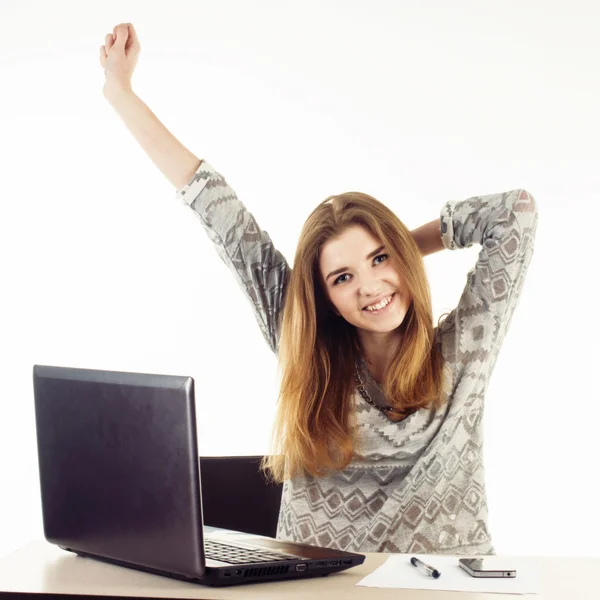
(417, 485)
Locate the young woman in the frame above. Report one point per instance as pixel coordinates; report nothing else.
(379, 427)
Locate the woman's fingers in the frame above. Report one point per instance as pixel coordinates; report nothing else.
(131, 37)
(119, 56)
(123, 31)
(121, 36)
(108, 42)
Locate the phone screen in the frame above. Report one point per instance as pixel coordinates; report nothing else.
(489, 563)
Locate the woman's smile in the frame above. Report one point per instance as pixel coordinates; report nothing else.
(381, 310)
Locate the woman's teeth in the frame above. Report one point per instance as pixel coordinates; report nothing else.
(385, 302)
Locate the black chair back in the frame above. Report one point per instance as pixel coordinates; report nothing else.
(236, 495)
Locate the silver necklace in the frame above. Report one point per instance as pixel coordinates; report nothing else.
(363, 392)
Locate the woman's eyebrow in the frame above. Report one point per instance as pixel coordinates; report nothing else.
(370, 255)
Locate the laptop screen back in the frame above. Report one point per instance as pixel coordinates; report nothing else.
(118, 464)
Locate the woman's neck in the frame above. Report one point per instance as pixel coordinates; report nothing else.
(377, 351)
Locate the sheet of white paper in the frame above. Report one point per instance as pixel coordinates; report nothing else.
(398, 572)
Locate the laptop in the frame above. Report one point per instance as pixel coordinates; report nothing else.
(120, 482)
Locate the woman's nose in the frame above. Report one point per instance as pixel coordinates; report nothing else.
(370, 288)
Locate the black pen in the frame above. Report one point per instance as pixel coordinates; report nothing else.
(425, 568)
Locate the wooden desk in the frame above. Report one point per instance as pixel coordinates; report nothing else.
(41, 568)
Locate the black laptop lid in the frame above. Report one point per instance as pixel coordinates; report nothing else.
(118, 464)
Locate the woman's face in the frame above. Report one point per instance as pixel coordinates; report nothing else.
(357, 273)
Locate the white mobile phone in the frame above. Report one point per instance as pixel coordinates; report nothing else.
(490, 566)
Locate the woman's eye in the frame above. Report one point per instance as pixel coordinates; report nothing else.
(344, 275)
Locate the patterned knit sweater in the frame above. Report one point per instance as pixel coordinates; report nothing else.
(418, 485)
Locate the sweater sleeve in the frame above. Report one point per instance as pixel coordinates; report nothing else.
(504, 225)
(260, 269)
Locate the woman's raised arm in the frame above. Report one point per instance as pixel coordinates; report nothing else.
(260, 269)
(118, 57)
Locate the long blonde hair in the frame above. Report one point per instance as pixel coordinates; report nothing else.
(318, 350)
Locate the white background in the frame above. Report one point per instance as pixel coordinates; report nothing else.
(415, 103)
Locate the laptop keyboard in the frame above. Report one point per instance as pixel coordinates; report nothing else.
(239, 555)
